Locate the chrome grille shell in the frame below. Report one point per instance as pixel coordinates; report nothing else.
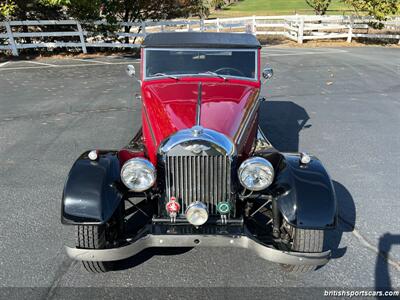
(198, 167)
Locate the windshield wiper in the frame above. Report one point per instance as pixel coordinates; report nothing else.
(166, 75)
(213, 74)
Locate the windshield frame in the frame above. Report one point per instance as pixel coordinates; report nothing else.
(254, 79)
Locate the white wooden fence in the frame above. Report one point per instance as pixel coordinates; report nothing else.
(298, 28)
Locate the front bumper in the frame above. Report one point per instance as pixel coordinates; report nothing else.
(199, 240)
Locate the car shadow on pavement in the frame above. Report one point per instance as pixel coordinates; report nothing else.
(382, 275)
(346, 220)
(281, 122)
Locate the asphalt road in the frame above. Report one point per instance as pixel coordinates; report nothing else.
(343, 105)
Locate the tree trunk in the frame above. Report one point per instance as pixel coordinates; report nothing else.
(126, 28)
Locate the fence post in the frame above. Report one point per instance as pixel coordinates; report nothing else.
(82, 38)
(300, 31)
(217, 24)
(201, 25)
(253, 25)
(144, 28)
(398, 24)
(11, 39)
(247, 28)
(350, 32)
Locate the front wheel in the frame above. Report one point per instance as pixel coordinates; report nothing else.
(92, 237)
(304, 240)
(100, 237)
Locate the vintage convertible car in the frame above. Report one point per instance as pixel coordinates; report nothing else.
(200, 172)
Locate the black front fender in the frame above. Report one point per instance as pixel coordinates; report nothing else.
(304, 193)
(306, 197)
(93, 190)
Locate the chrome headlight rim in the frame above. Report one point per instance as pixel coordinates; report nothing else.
(250, 162)
(138, 162)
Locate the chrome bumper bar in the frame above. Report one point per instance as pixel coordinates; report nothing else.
(150, 240)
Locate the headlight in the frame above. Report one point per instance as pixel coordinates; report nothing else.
(138, 174)
(197, 213)
(256, 173)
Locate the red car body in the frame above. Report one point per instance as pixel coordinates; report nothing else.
(170, 106)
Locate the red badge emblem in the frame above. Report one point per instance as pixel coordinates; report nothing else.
(172, 206)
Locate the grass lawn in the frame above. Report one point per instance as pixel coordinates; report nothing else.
(273, 7)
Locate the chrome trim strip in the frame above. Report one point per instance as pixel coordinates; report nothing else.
(198, 106)
(168, 183)
(150, 240)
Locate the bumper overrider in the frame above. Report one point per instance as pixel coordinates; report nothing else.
(242, 240)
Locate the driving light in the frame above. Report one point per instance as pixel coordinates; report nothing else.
(197, 213)
(256, 173)
(138, 174)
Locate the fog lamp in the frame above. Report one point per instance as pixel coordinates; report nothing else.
(197, 213)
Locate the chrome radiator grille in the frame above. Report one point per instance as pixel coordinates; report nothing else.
(198, 178)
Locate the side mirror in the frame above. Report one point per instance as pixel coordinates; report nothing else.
(130, 70)
(267, 73)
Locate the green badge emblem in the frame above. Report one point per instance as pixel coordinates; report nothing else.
(223, 208)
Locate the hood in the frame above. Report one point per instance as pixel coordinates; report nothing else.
(171, 106)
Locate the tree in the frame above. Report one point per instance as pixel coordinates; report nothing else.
(140, 10)
(217, 4)
(320, 6)
(85, 9)
(113, 10)
(33, 9)
(380, 9)
(7, 9)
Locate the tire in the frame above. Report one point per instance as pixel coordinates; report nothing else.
(305, 240)
(100, 237)
(92, 237)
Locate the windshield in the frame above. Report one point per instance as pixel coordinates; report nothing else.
(188, 62)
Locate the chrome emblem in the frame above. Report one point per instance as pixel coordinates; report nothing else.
(197, 148)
